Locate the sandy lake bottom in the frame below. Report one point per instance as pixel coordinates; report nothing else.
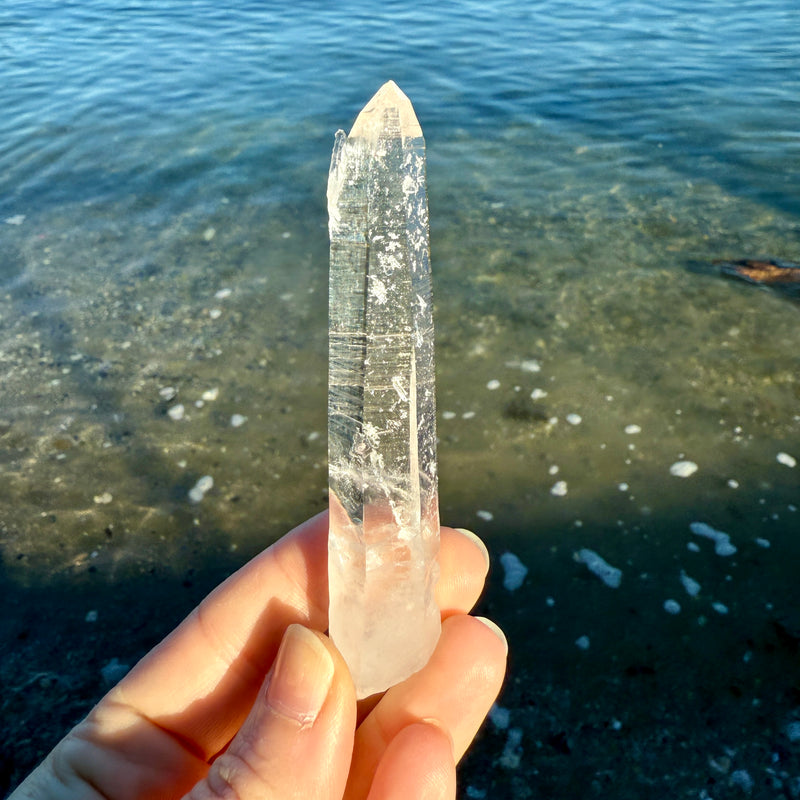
(585, 345)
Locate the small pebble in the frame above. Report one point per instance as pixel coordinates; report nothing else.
(793, 731)
(222, 294)
(237, 420)
(176, 412)
(538, 394)
(167, 392)
(672, 607)
(198, 491)
(531, 365)
(486, 516)
(623, 487)
(733, 484)
(114, 671)
(500, 717)
(515, 571)
(492, 385)
(574, 419)
(722, 541)
(215, 313)
(721, 765)
(582, 642)
(511, 757)
(448, 414)
(741, 779)
(559, 489)
(765, 543)
(91, 616)
(597, 565)
(209, 234)
(786, 460)
(103, 499)
(553, 470)
(632, 429)
(210, 395)
(17, 219)
(720, 608)
(690, 584)
(468, 415)
(683, 469)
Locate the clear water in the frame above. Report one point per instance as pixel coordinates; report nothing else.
(587, 162)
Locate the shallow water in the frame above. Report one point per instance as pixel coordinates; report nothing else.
(162, 181)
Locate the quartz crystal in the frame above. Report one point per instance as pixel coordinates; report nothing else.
(383, 540)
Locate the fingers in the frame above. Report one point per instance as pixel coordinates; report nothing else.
(186, 700)
(201, 681)
(418, 763)
(457, 688)
(297, 740)
(463, 564)
(114, 753)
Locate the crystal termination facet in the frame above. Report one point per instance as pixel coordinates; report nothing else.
(383, 541)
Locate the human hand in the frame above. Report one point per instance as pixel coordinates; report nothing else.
(198, 716)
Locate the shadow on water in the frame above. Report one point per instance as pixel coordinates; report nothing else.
(659, 704)
(610, 694)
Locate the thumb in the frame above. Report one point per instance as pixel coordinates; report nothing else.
(298, 739)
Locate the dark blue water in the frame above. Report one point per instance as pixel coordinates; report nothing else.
(176, 99)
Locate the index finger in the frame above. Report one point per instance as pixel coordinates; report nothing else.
(202, 680)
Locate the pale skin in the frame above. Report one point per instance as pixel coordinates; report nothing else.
(248, 699)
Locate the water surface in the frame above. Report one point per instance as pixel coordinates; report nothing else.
(163, 242)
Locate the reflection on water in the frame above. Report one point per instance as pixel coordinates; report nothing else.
(163, 244)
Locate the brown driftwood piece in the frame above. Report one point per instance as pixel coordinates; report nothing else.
(772, 272)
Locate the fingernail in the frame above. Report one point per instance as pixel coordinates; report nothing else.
(495, 630)
(477, 542)
(301, 678)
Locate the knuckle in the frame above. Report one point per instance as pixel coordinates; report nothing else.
(235, 776)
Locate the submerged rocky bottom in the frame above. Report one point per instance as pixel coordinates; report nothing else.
(163, 419)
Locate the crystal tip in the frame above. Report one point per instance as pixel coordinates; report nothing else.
(370, 122)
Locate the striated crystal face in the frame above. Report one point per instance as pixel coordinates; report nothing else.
(384, 522)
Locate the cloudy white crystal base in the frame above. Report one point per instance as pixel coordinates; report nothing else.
(382, 578)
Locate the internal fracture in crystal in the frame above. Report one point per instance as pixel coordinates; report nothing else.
(384, 517)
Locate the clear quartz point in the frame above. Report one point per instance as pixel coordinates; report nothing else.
(383, 540)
